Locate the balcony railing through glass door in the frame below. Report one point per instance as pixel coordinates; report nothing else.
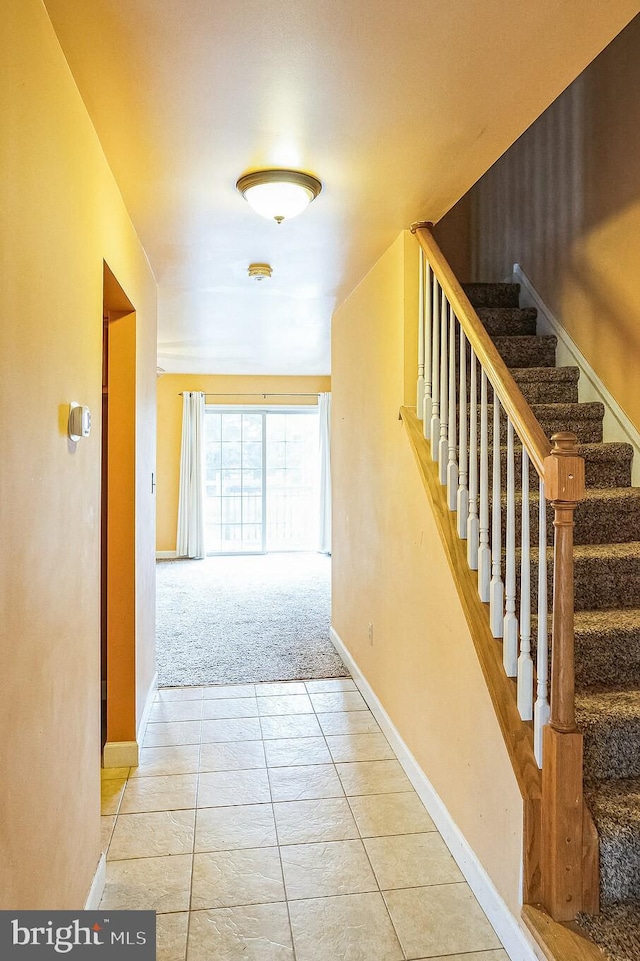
(261, 480)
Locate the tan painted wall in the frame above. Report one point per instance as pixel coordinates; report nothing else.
(170, 426)
(389, 569)
(62, 215)
(564, 202)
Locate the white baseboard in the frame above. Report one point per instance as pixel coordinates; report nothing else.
(97, 885)
(148, 704)
(514, 939)
(165, 554)
(126, 753)
(616, 424)
(120, 754)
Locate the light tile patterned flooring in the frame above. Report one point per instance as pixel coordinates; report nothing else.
(272, 822)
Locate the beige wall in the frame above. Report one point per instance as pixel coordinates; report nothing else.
(389, 569)
(564, 202)
(239, 390)
(62, 216)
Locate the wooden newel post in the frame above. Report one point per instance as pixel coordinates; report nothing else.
(562, 802)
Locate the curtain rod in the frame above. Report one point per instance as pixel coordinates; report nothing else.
(253, 394)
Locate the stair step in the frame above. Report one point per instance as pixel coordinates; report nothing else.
(541, 385)
(606, 465)
(606, 576)
(508, 321)
(615, 806)
(607, 648)
(546, 375)
(493, 295)
(548, 385)
(608, 515)
(605, 516)
(585, 420)
(531, 351)
(610, 722)
(616, 929)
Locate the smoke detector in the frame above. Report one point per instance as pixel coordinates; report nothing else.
(259, 271)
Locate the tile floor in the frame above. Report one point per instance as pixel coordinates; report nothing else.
(272, 822)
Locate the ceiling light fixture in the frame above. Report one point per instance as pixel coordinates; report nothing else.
(279, 194)
(259, 271)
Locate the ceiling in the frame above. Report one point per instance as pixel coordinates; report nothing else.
(398, 106)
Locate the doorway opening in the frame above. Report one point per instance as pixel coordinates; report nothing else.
(261, 479)
(117, 557)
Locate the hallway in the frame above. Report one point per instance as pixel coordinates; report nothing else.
(271, 822)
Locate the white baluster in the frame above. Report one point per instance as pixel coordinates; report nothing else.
(452, 464)
(428, 304)
(444, 391)
(541, 712)
(510, 630)
(525, 663)
(496, 588)
(463, 493)
(420, 388)
(472, 520)
(434, 433)
(484, 552)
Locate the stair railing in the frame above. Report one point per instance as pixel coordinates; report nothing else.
(473, 440)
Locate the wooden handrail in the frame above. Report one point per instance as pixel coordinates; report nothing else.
(515, 406)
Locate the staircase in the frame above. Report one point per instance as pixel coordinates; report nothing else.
(607, 608)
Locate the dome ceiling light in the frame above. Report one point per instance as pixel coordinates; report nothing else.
(259, 271)
(279, 194)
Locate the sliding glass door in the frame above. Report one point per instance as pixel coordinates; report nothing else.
(261, 480)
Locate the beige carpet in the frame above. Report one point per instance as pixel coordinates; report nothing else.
(224, 620)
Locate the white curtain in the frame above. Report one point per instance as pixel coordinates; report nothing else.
(191, 500)
(324, 525)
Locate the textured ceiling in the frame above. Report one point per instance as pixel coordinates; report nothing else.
(398, 106)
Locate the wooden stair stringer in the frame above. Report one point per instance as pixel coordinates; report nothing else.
(558, 941)
(517, 734)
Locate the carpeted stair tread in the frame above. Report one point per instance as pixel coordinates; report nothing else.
(605, 465)
(607, 648)
(606, 576)
(545, 375)
(591, 410)
(532, 351)
(616, 930)
(606, 515)
(610, 722)
(493, 295)
(597, 519)
(546, 385)
(615, 806)
(585, 420)
(508, 321)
